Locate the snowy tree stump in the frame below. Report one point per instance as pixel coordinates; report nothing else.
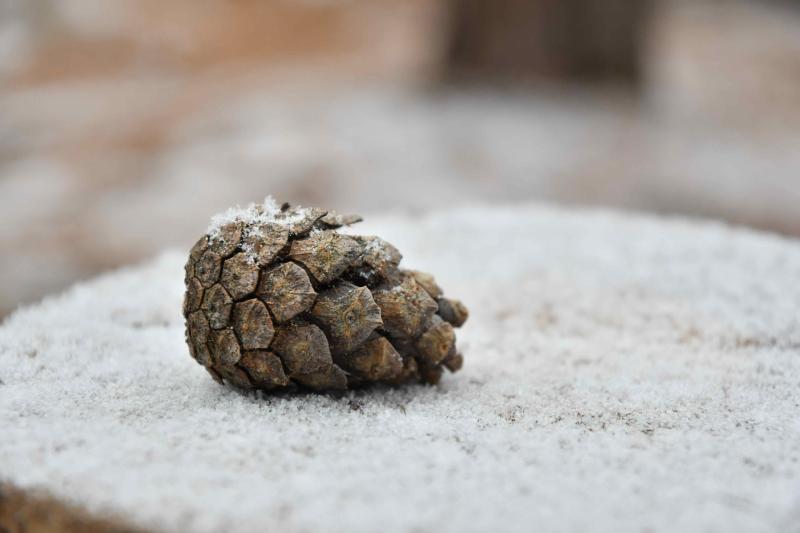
(624, 373)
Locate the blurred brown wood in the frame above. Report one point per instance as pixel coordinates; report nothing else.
(555, 39)
(85, 39)
(29, 512)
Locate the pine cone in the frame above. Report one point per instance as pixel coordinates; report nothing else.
(276, 299)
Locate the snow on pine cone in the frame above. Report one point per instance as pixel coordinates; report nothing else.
(276, 298)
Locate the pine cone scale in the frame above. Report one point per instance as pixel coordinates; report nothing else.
(348, 315)
(286, 290)
(217, 305)
(253, 325)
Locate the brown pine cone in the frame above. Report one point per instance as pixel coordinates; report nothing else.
(276, 298)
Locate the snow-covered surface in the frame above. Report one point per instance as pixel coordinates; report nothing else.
(622, 373)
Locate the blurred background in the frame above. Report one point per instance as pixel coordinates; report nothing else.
(125, 124)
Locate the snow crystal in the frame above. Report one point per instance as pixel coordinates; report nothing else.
(250, 214)
(622, 373)
(255, 214)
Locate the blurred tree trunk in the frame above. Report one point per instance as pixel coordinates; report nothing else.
(515, 40)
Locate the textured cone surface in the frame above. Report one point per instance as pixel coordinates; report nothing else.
(436, 343)
(287, 291)
(265, 241)
(379, 262)
(325, 254)
(227, 240)
(239, 276)
(265, 369)
(348, 314)
(253, 325)
(207, 268)
(277, 299)
(453, 311)
(407, 310)
(303, 348)
(375, 360)
(217, 305)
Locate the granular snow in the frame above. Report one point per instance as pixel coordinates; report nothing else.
(622, 373)
(253, 214)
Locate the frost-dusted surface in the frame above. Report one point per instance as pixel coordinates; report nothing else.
(622, 373)
(266, 212)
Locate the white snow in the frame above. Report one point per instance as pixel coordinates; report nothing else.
(267, 212)
(622, 373)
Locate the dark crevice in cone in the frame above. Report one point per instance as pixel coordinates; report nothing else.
(278, 300)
